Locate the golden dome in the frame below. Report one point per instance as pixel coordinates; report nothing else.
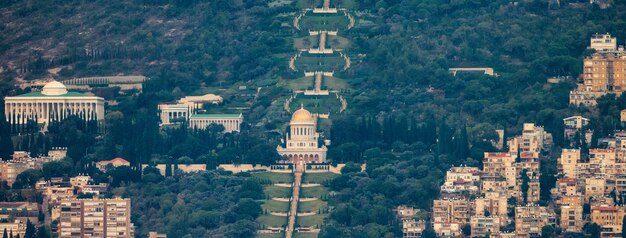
(302, 115)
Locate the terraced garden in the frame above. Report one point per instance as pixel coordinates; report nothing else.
(269, 205)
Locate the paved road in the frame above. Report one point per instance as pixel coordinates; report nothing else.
(294, 200)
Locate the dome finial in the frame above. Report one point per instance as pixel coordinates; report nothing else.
(301, 105)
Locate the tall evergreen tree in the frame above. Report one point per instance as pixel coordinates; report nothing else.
(6, 144)
(5, 233)
(30, 230)
(624, 226)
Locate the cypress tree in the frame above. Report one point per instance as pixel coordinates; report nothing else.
(624, 226)
(30, 230)
(6, 144)
(5, 233)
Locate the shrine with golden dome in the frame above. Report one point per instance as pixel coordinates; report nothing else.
(302, 140)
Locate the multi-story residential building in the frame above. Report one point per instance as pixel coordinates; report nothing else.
(485, 226)
(534, 139)
(566, 186)
(595, 187)
(531, 218)
(451, 211)
(603, 42)
(108, 218)
(568, 162)
(22, 211)
(603, 72)
(602, 163)
(443, 229)
(571, 218)
(492, 204)
(461, 181)
(500, 165)
(411, 226)
(449, 215)
(609, 218)
(10, 169)
(12, 226)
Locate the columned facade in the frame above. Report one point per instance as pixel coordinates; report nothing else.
(231, 122)
(301, 142)
(53, 103)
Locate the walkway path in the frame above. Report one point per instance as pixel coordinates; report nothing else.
(326, 4)
(294, 199)
(318, 81)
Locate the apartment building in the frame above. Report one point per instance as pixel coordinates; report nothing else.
(609, 218)
(571, 218)
(568, 162)
(492, 204)
(87, 218)
(485, 226)
(531, 218)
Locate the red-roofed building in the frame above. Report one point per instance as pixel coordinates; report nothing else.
(103, 165)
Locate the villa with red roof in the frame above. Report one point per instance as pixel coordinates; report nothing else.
(103, 165)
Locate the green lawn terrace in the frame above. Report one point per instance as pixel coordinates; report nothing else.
(316, 104)
(334, 42)
(321, 178)
(269, 178)
(348, 4)
(324, 22)
(269, 205)
(320, 62)
(307, 83)
(319, 192)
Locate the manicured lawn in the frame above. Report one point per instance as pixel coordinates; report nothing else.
(319, 177)
(317, 104)
(308, 62)
(274, 177)
(273, 221)
(311, 221)
(311, 206)
(300, 83)
(338, 42)
(277, 192)
(315, 192)
(305, 235)
(329, 22)
(349, 4)
(271, 235)
(306, 42)
(275, 206)
(309, 3)
(334, 83)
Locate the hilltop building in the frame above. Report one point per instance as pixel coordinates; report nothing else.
(54, 102)
(302, 142)
(106, 164)
(603, 72)
(231, 122)
(603, 42)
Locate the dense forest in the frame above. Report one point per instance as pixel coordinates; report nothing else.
(408, 118)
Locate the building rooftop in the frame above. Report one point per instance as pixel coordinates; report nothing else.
(209, 116)
(40, 94)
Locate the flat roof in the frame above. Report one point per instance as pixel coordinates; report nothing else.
(215, 116)
(39, 94)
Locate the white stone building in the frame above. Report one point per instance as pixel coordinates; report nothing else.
(171, 113)
(231, 122)
(54, 102)
(302, 140)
